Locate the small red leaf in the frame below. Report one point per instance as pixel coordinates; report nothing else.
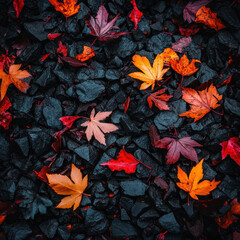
(69, 120)
(73, 62)
(5, 117)
(125, 161)
(18, 5)
(52, 36)
(62, 49)
(135, 15)
(159, 99)
(45, 56)
(126, 104)
(161, 183)
(42, 174)
(154, 136)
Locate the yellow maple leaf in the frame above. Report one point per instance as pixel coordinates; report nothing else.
(149, 74)
(191, 184)
(73, 187)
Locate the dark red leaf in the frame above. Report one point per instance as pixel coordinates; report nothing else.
(45, 56)
(126, 104)
(175, 147)
(57, 145)
(21, 45)
(181, 43)
(125, 161)
(5, 117)
(161, 183)
(154, 136)
(76, 133)
(189, 30)
(69, 120)
(62, 49)
(42, 174)
(73, 62)
(18, 5)
(52, 36)
(135, 15)
(101, 28)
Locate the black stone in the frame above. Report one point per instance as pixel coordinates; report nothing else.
(233, 106)
(4, 149)
(168, 221)
(159, 42)
(205, 73)
(88, 153)
(126, 47)
(46, 78)
(49, 228)
(23, 144)
(133, 187)
(138, 207)
(19, 231)
(122, 229)
(36, 29)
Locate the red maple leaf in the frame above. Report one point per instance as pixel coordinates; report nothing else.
(5, 117)
(52, 36)
(125, 161)
(135, 14)
(159, 99)
(101, 28)
(42, 174)
(69, 120)
(232, 148)
(18, 5)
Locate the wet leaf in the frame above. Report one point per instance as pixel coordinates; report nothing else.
(135, 14)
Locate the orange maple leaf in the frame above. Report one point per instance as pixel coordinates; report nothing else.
(88, 52)
(14, 76)
(191, 184)
(73, 187)
(183, 67)
(96, 128)
(226, 220)
(149, 75)
(67, 7)
(206, 16)
(169, 54)
(201, 102)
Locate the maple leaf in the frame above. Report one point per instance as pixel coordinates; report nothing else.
(88, 53)
(69, 120)
(73, 187)
(168, 54)
(183, 67)
(5, 117)
(229, 217)
(191, 184)
(175, 147)
(62, 49)
(206, 16)
(201, 102)
(125, 161)
(149, 75)
(14, 76)
(181, 43)
(96, 128)
(135, 14)
(18, 5)
(190, 10)
(101, 28)
(67, 7)
(159, 99)
(231, 148)
(154, 136)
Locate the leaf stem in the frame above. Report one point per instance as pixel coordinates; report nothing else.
(150, 176)
(163, 82)
(143, 164)
(94, 42)
(180, 83)
(220, 114)
(147, 92)
(188, 199)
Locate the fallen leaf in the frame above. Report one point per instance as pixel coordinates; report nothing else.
(88, 53)
(45, 56)
(183, 67)
(189, 30)
(101, 28)
(73, 62)
(168, 54)
(73, 187)
(67, 7)
(159, 99)
(206, 16)
(135, 14)
(14, 76)
(126, 104)
(154, 136)
(160, 182)
(175, 147)
(228, 218)
(190, 10)
(18, 5)
(125, 161)
(42, 174)
(231, 148)
(96, 128)
(181, 43)
(52, 36)
(5, 61)
(62, 49)
(69, 120)
(226, 81)
(191, 184)
(201, 102)
(5, 117)
(149, 75)
(20, 45)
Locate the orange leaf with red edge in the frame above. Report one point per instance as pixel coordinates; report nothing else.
(67, 7)
(88, 53)
(206, 16)
(159, 99)
(135, 14)
(168, 54)
(191, 183)
(183, 67)
(13, 77)
(125, 161)
(201, 102)
(149, 74)
(231, 148)
(73, 187)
